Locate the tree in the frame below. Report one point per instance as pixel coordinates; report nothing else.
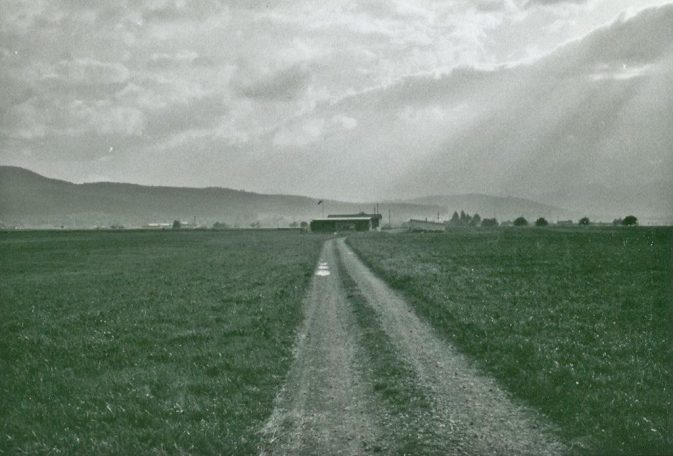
(520, 221)
(489, 222)
(464, 218)
(617, 222)
(294, 224)
(630, 220)
(476, 220)
(220, 226)
(455, 219)
(584, 221)
(541, 222)
(176, 224)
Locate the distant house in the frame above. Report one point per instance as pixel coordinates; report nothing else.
(425, 226)
(188, 225)
(375, 218)
(333, 224)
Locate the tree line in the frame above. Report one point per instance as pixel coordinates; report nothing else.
(464, 219)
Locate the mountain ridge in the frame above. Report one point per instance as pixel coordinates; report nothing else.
(31, 200)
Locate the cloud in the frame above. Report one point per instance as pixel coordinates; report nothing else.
(41, 118)
(286, 84)
(299, 134)
(173, 11)
(426, 115)
(530, 3)
(307, 131)
(635, 42)
(581, 112)
(526, 130)
(606, 72)
(165, 60)
(86, 71)
(347, 123)
(408, 87)
(193, 114)
(490, 5)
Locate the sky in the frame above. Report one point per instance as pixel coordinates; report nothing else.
(355, 100)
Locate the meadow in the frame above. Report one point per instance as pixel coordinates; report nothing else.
(577, 323)
(146, 342)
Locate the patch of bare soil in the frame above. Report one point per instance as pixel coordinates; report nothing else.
(471, 413)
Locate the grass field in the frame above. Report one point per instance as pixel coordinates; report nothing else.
(145, 342)
(577, 323)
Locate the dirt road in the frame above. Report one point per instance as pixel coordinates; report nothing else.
(328, 405)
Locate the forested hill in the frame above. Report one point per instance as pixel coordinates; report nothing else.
(30, 200)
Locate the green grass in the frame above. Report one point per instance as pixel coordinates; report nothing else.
(577, 323)
(146, 342)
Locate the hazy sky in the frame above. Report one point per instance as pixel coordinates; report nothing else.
(347, 99)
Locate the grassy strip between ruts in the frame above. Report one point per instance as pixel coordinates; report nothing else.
(577, 323)
(146, 342)
(394, 381)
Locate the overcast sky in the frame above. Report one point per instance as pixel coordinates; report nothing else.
(345, 99)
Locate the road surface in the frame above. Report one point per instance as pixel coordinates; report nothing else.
(328, 404)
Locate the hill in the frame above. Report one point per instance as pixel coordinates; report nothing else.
(28, 199)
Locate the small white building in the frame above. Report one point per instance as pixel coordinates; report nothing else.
(157, 226)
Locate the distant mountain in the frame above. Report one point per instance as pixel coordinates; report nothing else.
(28, 199)
(31, 200)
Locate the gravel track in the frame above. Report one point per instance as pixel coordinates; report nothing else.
(327, 405)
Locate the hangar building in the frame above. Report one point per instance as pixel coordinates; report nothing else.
(346, 222)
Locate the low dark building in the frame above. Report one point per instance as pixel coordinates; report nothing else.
(375, 218)
(333, 224)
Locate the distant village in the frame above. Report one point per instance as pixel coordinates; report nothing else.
(334, 223)
(363, 221)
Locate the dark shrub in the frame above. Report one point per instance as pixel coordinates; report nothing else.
(520, 221)
(630, 220)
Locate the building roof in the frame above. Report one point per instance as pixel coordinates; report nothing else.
(332, 218)
(351, 216)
